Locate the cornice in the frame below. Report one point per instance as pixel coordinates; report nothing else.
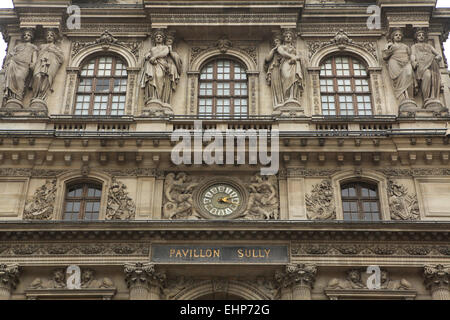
(226, 230)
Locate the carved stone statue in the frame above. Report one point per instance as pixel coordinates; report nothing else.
(263, 198)
(162, 68)
(398, 57)
(320, 204)
(353, 281)
(178, 191)
(18, 65)
(49, 59)
(272, 67)
(291, 68)
(425, 60)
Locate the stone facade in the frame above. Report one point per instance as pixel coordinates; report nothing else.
(291, 230)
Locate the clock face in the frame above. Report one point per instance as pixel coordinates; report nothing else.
(221, 200)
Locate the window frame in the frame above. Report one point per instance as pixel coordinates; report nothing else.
(83, 199)
(360, 200)
(95, 79)
(336, 94)
(215, 95)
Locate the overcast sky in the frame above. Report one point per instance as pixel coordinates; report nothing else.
(8, 4)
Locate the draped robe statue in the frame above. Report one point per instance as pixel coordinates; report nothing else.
(19, 64)
(425, 60)
(398, 57)
(291, 71)
(49, 60)
(161, 71)
(273, 77)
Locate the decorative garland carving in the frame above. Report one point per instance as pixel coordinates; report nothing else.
(403, 206)
(70, 249)
(320, 204)
(368, 249)
(120, 205)
(58, 281)
(248, 51)
(134, 172)
(415, 172)
(105, 40)
(41, 206)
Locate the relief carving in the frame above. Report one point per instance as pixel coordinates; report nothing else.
(9, 276)
(403, 206)
(320, 204)
(354, 281)
(120, 205)
(106, 39)
(41, 206)
(58, 281)
(263, 198)
(178, 191)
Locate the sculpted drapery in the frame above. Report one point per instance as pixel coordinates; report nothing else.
(49, 60)
(18, 66)
(398, 57)
(284, 70)
(162, 70)
(425, 60)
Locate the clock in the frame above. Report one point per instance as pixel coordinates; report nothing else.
(221, 200)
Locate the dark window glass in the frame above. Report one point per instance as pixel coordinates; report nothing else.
(360, 202)
(82, 202)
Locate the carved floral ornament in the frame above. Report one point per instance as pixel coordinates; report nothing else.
(105, 40)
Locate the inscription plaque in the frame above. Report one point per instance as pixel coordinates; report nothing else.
(191, 254)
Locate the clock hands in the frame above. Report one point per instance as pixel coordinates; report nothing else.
(226, 200)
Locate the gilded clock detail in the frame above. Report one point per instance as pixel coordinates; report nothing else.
(221, 200)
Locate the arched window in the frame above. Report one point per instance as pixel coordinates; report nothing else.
(360, 202)
(82, 202)
(344, 86)
(102, 87)
(223, 90)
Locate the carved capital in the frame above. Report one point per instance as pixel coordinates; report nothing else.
(437, 277)
(143, 275)
(9, 277)
(297, 274)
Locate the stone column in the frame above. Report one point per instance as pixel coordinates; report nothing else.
(9, 277)
(144, 281)
(437, 279)
(297, 281)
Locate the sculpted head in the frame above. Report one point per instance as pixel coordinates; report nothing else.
(288, 36)
(50, 36)
(159, 37)
(170, 39)
(87, 275)
(277, 40)
(354, 276)
(420, 35)
(28, 35)
(58, 275)
(397, 35)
